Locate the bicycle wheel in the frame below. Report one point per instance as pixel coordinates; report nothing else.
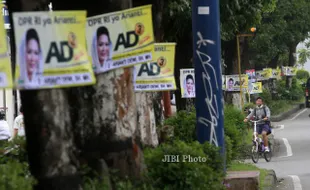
(255, 154)
(268, 155)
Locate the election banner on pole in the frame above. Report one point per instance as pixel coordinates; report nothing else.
(158, 75)
(51, 50)
(256, 88)
(120, 39)
(233, 83)
(187, 83)
(6, 80)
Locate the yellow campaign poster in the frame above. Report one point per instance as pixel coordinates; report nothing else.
(120, 39)
(51, 50)
(158, 75)
(6, 80)
(256, 88)
(268, 73)
(233, 82)
(276, 73)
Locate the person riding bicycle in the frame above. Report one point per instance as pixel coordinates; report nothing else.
(261, 112)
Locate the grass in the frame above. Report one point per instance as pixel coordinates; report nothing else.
(239, 166)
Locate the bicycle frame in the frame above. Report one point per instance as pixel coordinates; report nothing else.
(254, 134)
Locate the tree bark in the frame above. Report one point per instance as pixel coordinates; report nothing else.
(66, 127)
(291, 62)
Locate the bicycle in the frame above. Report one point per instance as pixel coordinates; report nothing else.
(258, 147)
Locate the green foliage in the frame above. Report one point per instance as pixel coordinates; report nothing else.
(14, 168)
(177, 19)
(15, 176)
(234, 129)
(303, 56)
(184, 175)
(228, 150)
(302, 74)
(184, 124)
(295, 93)
(281, 30)
(238, 16)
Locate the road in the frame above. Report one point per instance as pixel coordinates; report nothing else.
(291, 160)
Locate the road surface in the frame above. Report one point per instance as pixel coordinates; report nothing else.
(291, 160)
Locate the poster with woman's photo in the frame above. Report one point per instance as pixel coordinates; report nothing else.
(120, 39)
(51, 50)
(6, 80)
(187, 83)
(157, 75)
(233, 83)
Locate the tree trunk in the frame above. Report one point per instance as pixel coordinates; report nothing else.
(274, 61)
(150, 110)
(245, 59)
(184, 55)
(291, 63)
(67, 126)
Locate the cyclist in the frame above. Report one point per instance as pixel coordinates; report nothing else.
(261, 112)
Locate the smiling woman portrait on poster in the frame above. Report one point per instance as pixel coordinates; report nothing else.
(189, 87)
(102, 50)
(31, 59)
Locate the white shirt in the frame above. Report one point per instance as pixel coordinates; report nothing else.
(19, 125)
(4, 130)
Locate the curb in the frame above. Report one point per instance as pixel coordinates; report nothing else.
(284, 115)
(270, 180)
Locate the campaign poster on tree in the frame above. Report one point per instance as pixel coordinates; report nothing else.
(51, 50)
(120, 39)
(256, 88)
(233, 82)
(6, 80)
(187, 83)
(159, 74)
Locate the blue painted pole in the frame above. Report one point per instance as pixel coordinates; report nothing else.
(208, 74)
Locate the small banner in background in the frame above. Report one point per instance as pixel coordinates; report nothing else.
(251, 75)
(268, 73)
(120, 39)
(256, 88)
(187, 83)
(261, 75)
(6, 80)
(158, 75)
(233, 83)
(289, 71)
(51, 50)
(276, 73)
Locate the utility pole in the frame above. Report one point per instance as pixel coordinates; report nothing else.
(208, 75)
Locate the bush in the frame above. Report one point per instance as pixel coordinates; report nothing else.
(14, 168)
(302, 74)
(234, 128)
(184, 175)
(295, 93)
(184, 124)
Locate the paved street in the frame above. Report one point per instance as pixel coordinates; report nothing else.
(291, 160)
